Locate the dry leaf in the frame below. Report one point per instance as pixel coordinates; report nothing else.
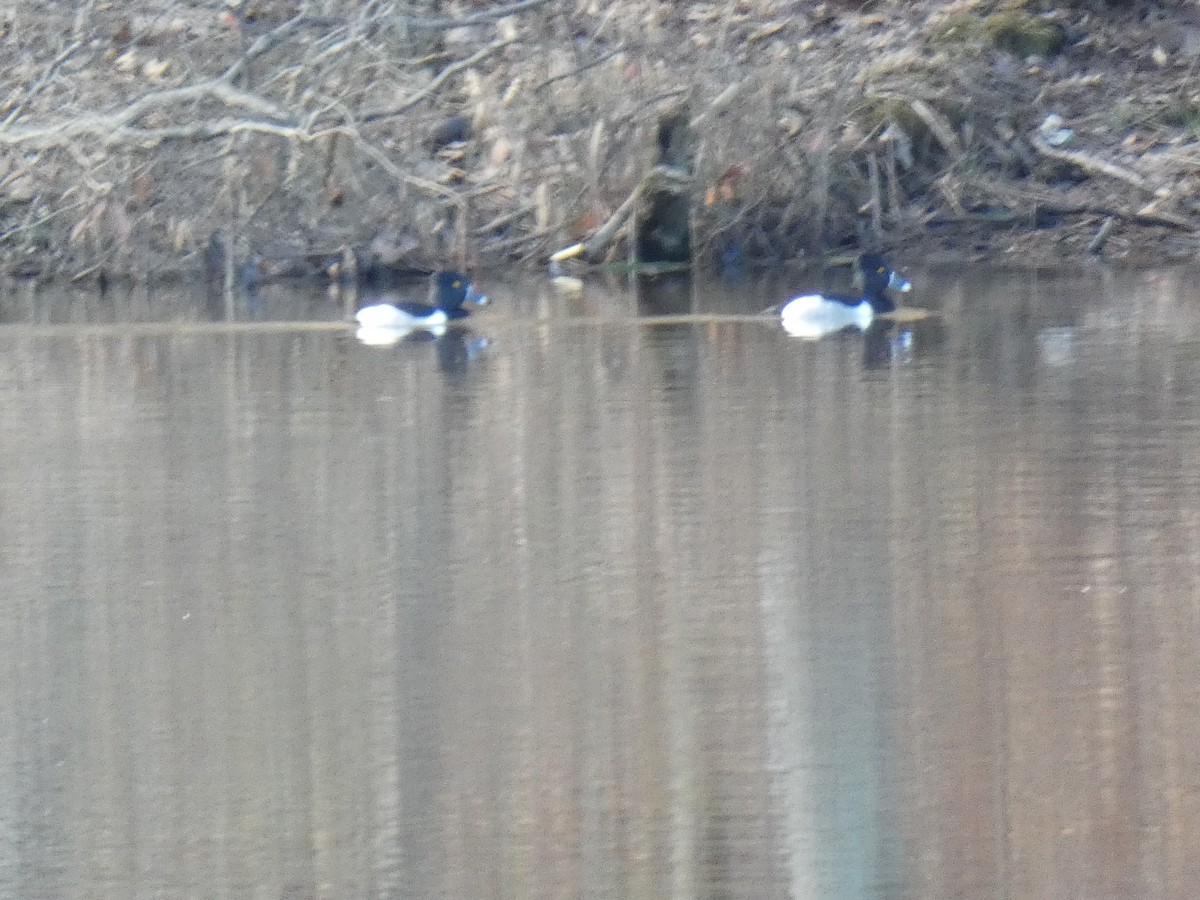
(771, 28)
(181, 235)
(501, 150)
(19, 188)
(511, 94)
(155, 68)
(506, 28)
(87, 226)
(472, 83)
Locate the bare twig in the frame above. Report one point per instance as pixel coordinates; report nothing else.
(663, 178)
(479, 18)
(1044, 199)
(505, 219)
(429, 187)
(579, 70)
(722, 100)
(939, 126)
(522, 245)
(436, 82)
(1102, 234)
(598, 242)
(1093, 165)
(876, 201)
(272, 39)
(33, 221)
(37, 86)
(115, 125)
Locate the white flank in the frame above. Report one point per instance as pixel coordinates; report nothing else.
(812, 316)
(384, 315)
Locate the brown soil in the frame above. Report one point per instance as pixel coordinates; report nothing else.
(484, 133)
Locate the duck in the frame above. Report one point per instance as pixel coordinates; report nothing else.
(388, 322)
(815, 315)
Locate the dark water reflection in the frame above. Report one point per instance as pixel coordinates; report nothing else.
(609, 610)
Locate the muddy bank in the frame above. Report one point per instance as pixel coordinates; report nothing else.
(485, 134)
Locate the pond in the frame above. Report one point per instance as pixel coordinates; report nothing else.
(602, 606)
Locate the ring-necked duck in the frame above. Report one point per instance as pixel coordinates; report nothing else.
(450, 291)
(814, 315)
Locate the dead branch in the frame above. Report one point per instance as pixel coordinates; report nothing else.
(598, 242)
(522, 246)
(1066, 206)
(479, 18)
(115, 126)
(579, 70)
(34, 89)
(1102, 235)
(429, 187)
(272, 39)
(663, 178)
(506, 219)
(1093, 165)
(722, 100)
(1139, 216)
(939, 126)
(436, 82)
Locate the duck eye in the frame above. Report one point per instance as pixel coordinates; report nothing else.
(880, 270)
(458, 284)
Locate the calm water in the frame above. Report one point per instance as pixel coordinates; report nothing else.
(606, 609)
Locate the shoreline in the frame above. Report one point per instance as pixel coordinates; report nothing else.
(492, 136)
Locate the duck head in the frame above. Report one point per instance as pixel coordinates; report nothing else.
(453, 289)
(874, 276)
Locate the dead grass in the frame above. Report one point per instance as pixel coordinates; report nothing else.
(134, 131)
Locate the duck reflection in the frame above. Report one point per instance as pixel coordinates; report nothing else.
(887, 343)
(455, 347)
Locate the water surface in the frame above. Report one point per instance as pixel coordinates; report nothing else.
(605, 609)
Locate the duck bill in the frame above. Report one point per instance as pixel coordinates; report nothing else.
(898, 283)
(475, 297)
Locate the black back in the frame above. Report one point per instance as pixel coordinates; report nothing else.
(416, 310)
(421, 310)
